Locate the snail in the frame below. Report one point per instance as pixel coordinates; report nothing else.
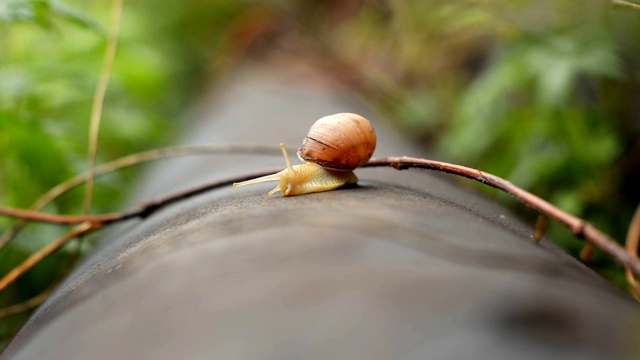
(333, 148)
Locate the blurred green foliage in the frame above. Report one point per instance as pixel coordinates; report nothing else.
(537, 117)
(51, 55)
(542, 93)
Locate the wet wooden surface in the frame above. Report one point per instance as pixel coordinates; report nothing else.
(405, 266)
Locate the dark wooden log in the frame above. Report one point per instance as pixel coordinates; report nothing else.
(405, 266)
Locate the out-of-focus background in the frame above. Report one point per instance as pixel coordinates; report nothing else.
(542, 93)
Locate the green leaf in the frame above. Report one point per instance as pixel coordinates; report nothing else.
(43, 12)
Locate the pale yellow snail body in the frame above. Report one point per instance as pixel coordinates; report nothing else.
(334, 147)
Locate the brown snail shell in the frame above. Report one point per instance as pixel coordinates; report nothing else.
(341, 141)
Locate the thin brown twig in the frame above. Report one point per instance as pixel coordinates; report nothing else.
(90, 223)
(31, 261)
(135, 159)
(54, 218)
(25, 305)
(633, 237)
(578, 227)
(587, 252)
(43, 295)
(98, 99)
(541, 227)
(141, 211)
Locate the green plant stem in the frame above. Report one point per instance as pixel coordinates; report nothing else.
(98, 99)
(625, 3)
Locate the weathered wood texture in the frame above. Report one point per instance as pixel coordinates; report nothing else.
(405, 266)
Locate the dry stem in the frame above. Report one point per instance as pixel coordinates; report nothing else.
(25, 305)
(34, 259)
(633, 237)
(98, 98)
(90, 223)
(541, 227)
(135, 159)
(578, 227)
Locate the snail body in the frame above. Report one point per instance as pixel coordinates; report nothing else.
(304, 179)
(333, 148)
